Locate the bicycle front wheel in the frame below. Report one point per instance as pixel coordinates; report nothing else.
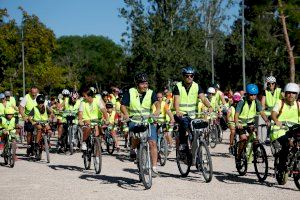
(97, 155)
(213, 137)
(163, 151)
(145, 167)
(242, 164)
(12, 154)
(46, 146)
(110, 144)
(184, 161)
(203, 161)
(260, 162)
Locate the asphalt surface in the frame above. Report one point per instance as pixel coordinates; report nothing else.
(65, 178)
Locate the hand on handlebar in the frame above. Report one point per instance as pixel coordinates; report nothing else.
(279, 123)
(179, 114)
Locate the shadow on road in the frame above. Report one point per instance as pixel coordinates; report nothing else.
(123, 182)
(224, 155)
(123, 158)
(66, 167)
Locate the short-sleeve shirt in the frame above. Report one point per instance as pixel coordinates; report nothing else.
(126, 98)
(176, 90)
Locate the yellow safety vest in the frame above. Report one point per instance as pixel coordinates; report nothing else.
(136, 108)
(162, 116)
(38, 116)
(188, 102)
(30, 104)
(91, 111)
(271, 99)
(248, 114)
(288, 114)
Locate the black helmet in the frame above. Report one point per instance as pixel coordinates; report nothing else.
(188, 70)
(140, 78)
(40, 99)
(109, 105)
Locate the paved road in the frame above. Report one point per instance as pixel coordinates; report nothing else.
(65, 178)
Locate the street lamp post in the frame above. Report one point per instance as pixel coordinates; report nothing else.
(243, 46)
(23, 64)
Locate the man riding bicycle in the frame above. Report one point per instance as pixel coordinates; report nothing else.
(286, 110)
(137, 102)
(91, 108)
(245, 113)
(186, 94)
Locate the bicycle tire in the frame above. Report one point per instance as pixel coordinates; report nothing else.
(5, 156)
(97, 155)
(281, 176)
(110, 144)
(145, 167)
(86, 160)
(203, 152)
(38, 152)
(163, 152)
(182, 159)
(242, 169)
(213, 137)
(220, 133)
(46, 146)
(70, 139)
(260, 156)
(12, 155)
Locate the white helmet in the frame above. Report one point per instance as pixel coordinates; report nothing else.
(211, 90)
(271, 79)
(291, 87)
(65, 92)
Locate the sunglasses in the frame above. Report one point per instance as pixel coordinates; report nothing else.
(291, 92)
(189, 76)
(270, 84)
(252, 94)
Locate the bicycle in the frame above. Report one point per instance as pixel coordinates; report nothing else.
(93, 144)
(252, 149)
(109, 140)
(216, 132)
(162, 144)
(196, 152)
(41, 144)
(141, 131)
(293, 161)
(73, 137)
(9, 150)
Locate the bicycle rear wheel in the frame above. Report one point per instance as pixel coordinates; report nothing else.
(184, 161)
(97, 155)
(203, 161)
(242, 164)
(110, 144)
(145, 166)
(46, 146)
(220, 133)
(213, 137)
(12, 154)
(260, 162)
(163, 151)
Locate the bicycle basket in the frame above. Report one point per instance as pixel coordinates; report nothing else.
(199, 124)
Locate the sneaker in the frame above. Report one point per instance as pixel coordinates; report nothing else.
(155, 173)
(267, 142)
(83, 146)
(132, 154)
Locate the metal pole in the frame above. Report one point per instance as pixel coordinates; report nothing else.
(243, 47)
(212, 62)
(23, 64)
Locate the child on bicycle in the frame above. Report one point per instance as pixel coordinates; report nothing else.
(113, 118)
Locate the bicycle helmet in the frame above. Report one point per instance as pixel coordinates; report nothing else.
(252, 89)
(236, 97)
(271, 79)
(40, 99)
(93, 89)
(188, 70)
(109, 105)
(2, 96)
(74, 95)
(104, 93)
(291, 87)
(7, 93)
(211, 90)
(9, 111)
(140, 78)
(65, 92)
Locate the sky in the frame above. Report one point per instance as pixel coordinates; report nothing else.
(75, 17)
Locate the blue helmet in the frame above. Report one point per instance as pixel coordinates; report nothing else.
(188, 70)
(2, 96)
(251, 89)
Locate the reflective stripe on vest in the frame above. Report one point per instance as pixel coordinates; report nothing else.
(38, 116)
(188, 102)
(8, 124)
(162, 115)
(135, 107)
(248, 114)
(30, 104)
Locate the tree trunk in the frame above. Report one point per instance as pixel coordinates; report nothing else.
(288, 44)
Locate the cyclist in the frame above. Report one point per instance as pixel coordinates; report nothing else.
(3, 104)
(162, 118)
(40, 112)
(136, 102)
(91, 108)
(8, 123)
(270, 97)
(113, 118)
(286, 110)
(105, 96)
(114, 96)
(11, 101)
(245, 113)
(212, 98)
(26, 105)
(186, 94)
(219, 95)
(230, 118)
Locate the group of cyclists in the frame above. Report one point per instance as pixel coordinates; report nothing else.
(124, 109)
